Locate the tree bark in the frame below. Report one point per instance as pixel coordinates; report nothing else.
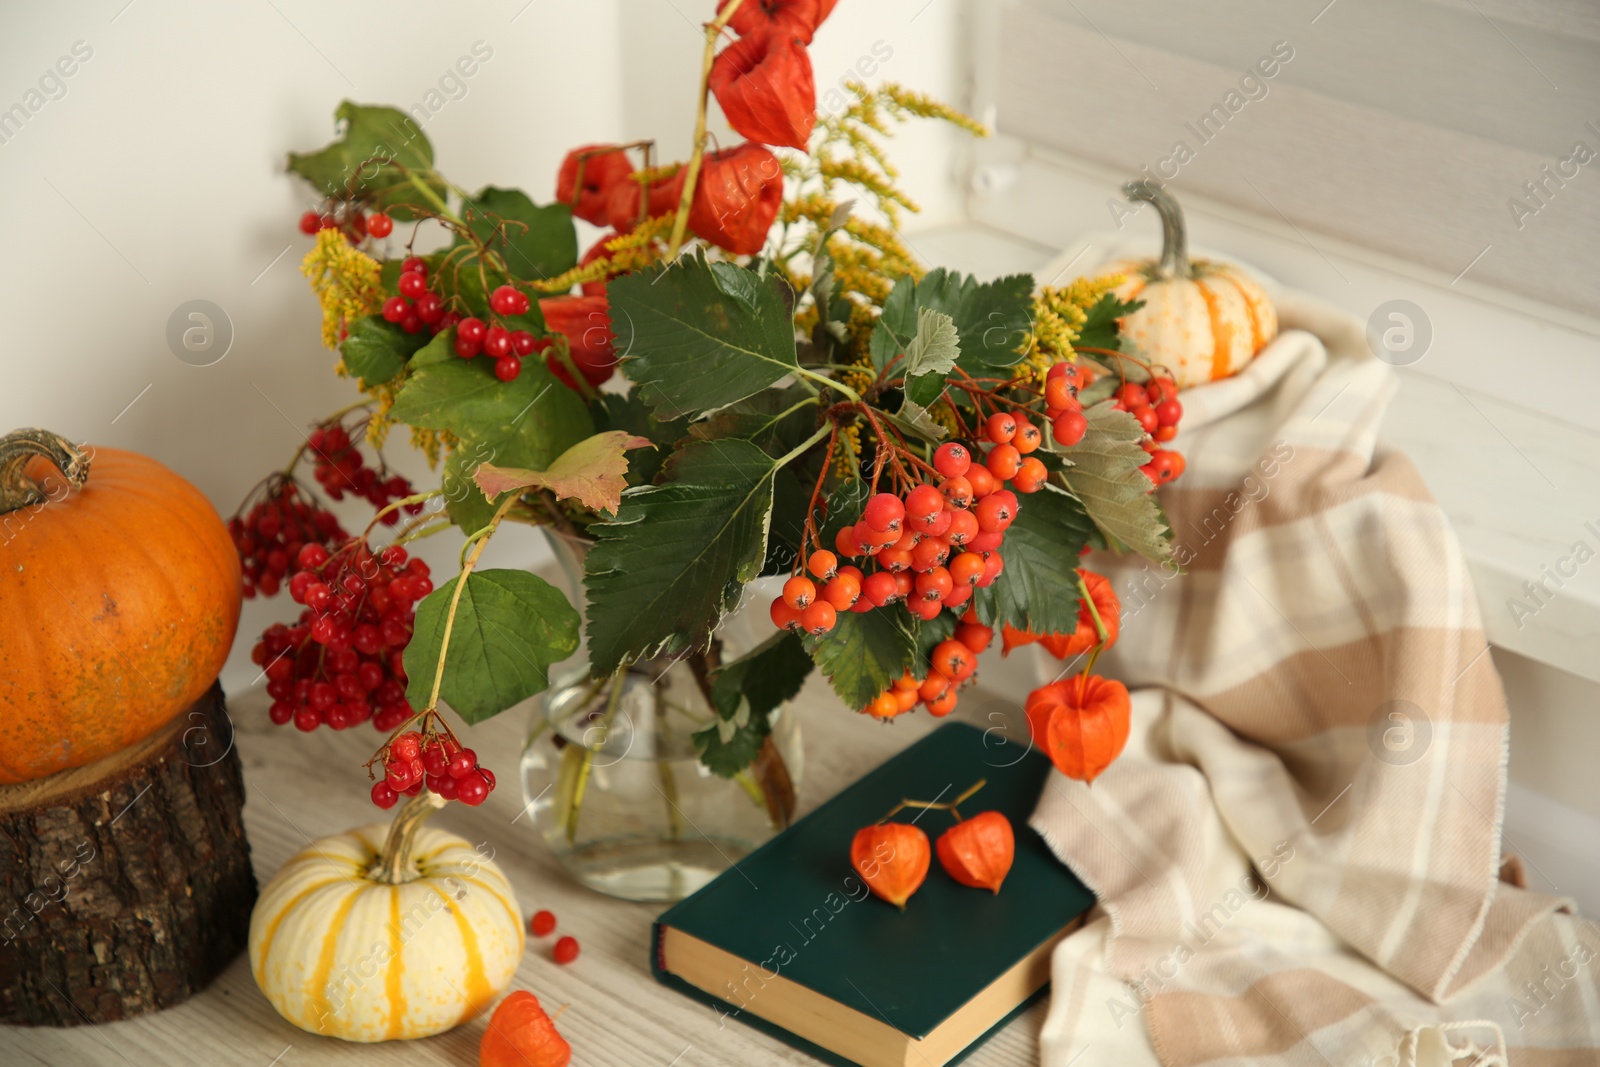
(125, 885)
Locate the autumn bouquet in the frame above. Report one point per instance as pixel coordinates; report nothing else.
(747, 376)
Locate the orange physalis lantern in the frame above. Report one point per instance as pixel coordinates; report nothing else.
(978, 851)
(1081, 723)
(601, 172)
(520, 1034)
(765, 88)
(798, 17)
(737, 198)
(892, 858)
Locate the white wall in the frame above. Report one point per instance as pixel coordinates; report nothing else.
(158, 178)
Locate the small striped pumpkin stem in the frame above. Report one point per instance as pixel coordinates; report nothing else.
(394, 866)
(18, 449)
(1174, 261)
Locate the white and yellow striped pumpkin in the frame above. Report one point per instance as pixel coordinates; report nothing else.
(341, 950)
(1202, 320)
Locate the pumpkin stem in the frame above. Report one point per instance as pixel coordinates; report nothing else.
(18, 448)
(394, 866)
(1174, 262)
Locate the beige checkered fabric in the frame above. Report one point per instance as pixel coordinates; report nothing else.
(1297, 854)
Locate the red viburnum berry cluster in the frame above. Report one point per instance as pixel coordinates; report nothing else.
(341, 663)
(1155, 404)
(340, 468)
(430, 758)
(270, 533)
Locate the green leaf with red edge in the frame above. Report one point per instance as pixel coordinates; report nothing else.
(510, 626)
(594, 472)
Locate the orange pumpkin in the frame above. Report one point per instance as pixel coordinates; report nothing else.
(1081, 722)
(978, 851)
(892, 858)
(118, 601)
(1202, 320)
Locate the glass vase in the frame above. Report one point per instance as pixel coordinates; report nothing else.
(612, 780)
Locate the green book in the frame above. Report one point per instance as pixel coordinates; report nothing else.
(789, 939)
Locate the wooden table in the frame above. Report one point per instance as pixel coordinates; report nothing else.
(302, 787)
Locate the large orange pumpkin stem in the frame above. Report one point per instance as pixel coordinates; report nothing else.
(18, 448)
(1174, 261)
(394, 866)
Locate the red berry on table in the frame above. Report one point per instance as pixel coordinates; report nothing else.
(1001, 427)
(799, 592)
(412, 284)
(380, 225)
(414, 265)
(396, 308)
(506, 368)
(952, 459)
(310, 223)
(565, 950)
(542, 923)
(1069, 427)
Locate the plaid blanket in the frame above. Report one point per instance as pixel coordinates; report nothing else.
(1297, 855)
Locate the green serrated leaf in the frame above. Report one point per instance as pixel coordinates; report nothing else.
(362, 161)
(464, 502)
(991, 318)
(510, 626)
(762, 679)
(376, 350)
(662, 575)
(526, 422)
(864, 652)
(1039, 589)
(930, 357)
(1105, 477)
(914, 420)
(776, 420)
(690, 346)
(1100, 322)
(536, 242)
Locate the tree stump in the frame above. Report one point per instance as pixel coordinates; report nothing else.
(125, 885)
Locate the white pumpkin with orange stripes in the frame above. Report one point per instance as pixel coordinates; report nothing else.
(356, 940)
(1201, 320)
